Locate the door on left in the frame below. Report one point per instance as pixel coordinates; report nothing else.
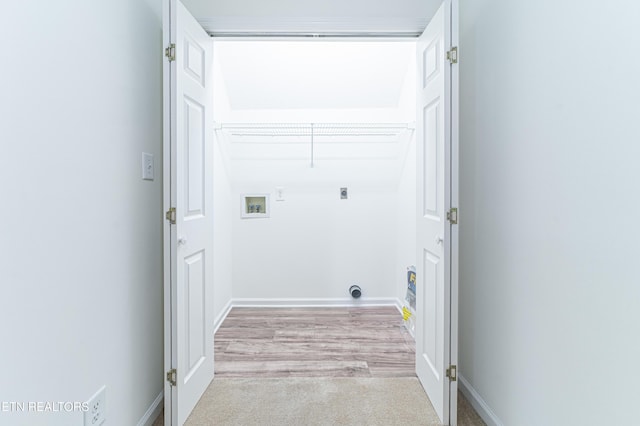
(188, 201)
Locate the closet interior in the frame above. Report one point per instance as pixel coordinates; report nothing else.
(315, 170)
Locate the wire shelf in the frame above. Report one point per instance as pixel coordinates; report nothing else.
(315, 129)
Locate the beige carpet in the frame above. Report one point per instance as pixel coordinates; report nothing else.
(204, 415)
(314, 401)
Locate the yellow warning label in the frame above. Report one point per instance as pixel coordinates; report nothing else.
(406, 313)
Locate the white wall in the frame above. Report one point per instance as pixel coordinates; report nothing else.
(406, 219)
(549, 287)
(315, 245)
(222, 202)
(81, 252)
(222, 230)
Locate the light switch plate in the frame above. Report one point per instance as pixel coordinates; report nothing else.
(147, 166)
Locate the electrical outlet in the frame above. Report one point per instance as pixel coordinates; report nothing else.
(96, 414)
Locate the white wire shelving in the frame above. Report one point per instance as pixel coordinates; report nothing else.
(315, 129)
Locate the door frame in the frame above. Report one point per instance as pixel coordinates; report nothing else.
(454, 192)
(169, 164)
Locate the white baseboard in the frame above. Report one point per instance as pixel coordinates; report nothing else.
(399, 304)
(153, 412)
(220, 318)
(479, 404)
(315, 302)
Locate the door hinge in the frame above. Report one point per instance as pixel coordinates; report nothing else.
(170, 52)
(171, 215)
(452, 373)
(172, 376)
(452, 55)
(452, 215)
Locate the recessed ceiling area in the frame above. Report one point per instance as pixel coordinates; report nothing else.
(316, 74)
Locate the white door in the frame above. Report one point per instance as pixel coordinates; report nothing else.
(188, 159)
(436, 327)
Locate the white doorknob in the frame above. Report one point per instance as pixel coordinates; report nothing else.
(439, 240)
(182, 241)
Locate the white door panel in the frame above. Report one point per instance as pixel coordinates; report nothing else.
(434, 333)
(432, 300)
(189, 176)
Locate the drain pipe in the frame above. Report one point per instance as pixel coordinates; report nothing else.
(355, 291)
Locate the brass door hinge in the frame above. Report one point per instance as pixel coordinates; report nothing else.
(452, 215)
(452, 373)
(452, 55)
(171, 215)
(172, 376)
(170, 52)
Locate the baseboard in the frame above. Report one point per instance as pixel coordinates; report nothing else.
(399, 304)
(315, 302)
(153, 412)
(220, 318)
(479, 404)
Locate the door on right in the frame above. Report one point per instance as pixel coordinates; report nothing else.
(436, 149)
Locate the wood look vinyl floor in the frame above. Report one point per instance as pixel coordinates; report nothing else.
(314, 342)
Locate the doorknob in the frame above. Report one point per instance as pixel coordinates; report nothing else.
(439, 240)
(182, 241)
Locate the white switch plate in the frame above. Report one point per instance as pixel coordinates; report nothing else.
(279, 193)
(147, 166)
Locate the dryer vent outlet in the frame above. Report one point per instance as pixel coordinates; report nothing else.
(355, 291)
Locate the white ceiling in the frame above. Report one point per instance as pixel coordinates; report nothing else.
(313, 17)
(321, 74)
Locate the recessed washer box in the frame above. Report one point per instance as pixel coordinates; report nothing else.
(254, 206)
